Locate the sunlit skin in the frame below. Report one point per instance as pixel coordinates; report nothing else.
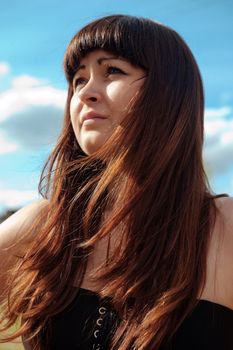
(103, 87)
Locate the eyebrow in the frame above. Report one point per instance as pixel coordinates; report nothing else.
(101, 60)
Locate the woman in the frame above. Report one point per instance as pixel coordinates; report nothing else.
(129, 248)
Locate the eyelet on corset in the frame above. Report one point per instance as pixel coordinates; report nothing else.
(102, 310)
(99, 322)
(95, 333)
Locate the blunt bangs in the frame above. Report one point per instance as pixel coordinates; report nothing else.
(113, 34)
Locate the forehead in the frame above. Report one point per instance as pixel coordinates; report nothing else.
(100, 56)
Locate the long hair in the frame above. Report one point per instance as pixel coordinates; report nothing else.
(150, 173)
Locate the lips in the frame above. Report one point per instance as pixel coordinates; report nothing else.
(91, 115)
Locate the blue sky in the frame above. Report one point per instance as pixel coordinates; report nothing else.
(34, 36)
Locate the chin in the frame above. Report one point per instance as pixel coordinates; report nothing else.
(91, 146)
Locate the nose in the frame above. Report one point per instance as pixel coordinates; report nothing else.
(90, 92)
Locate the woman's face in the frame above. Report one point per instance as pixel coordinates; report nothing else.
(103, 87)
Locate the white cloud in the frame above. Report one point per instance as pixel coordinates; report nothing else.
(35, 127)
(25, 81)
(10, 198)
(6, 146)
(27, 92)
(4, 68)
(218, 149)
(31, 114)
(217, 113)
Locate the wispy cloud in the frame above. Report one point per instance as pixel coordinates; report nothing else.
(4, 68)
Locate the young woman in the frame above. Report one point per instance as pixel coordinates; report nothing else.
(129, 249)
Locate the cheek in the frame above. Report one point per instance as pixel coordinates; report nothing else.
(74, 113)
(120, 95)
(74, 105)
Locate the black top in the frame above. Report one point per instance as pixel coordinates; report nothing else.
(87, 324)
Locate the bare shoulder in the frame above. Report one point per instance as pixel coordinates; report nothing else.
(224, 203)
(15, 235)
(225, 215)
(220, 259)
(14, 228)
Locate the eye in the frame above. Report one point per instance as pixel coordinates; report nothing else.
(78, 81)
(114, 70)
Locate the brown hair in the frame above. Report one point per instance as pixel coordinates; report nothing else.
(150, 172)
